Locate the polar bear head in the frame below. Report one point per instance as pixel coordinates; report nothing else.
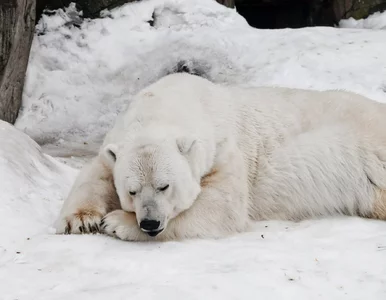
(155, 179)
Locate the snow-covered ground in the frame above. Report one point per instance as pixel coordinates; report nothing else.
(342, 258)
(78, 81)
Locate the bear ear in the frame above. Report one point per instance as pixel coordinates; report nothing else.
(185, 144)
(109, 154)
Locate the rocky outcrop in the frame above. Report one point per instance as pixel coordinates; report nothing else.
(90, 8)
(300, 13)
(357, 9)
(259, 13)
(228, 3)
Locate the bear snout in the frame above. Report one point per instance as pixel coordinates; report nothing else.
(151, 227)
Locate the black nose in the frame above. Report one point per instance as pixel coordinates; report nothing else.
(149, 225)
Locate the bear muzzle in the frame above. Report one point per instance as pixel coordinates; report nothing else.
(151, 227)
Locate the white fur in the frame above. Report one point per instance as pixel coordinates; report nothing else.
(230, 156)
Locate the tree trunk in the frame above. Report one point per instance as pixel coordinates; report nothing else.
(227, 3)
(17, 22)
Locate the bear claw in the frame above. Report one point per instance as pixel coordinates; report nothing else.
(80, 223)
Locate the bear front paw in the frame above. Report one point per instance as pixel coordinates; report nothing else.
(122, 225)
(83, 221)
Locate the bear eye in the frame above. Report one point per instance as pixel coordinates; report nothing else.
(164, 188)
(132, 193)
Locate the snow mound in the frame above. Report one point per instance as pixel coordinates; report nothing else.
(82, 74)
(375, 21)
(33, 185)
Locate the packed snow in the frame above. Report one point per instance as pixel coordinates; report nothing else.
(80, 77)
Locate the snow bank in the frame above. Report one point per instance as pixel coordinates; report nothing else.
(374, 21)
(79, 79)
(33, 185)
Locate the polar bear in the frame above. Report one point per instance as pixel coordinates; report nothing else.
(194, 159)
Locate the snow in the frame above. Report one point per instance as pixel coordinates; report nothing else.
(79, 79)
(375, 21)
(339, 258)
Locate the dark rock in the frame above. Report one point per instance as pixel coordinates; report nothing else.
(274, 14)
(357, 9)
(227, 3)
(90, 8)
(259, 13)
(193, 67)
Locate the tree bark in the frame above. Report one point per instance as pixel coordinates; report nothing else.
(227, 3)
(17, 22)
